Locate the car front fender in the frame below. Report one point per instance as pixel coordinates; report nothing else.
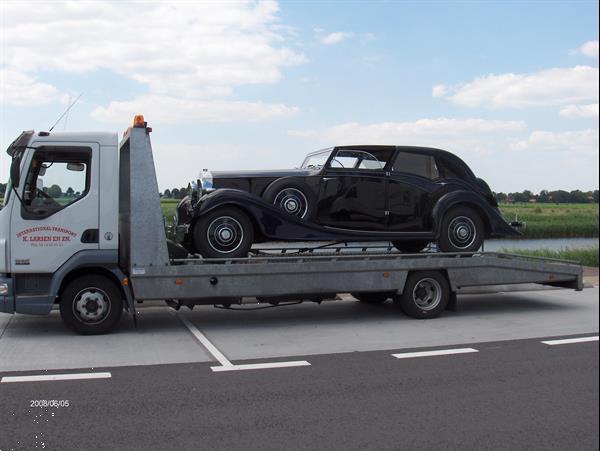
(272, 222)
(491, 216)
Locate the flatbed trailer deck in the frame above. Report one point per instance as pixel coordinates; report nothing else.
(141, 268)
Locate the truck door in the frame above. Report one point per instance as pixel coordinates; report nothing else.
(58, 212)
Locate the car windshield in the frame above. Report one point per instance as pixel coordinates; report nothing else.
(316, 160)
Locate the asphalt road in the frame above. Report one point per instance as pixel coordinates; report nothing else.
(512, 392)
(509, 395)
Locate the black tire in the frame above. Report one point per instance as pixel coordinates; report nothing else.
(224, 233)
(410, 247)
(372, 297)
(296, 195)
(426, 295)
(461, 230)
(91, 305)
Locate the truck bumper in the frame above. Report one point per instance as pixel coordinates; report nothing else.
(7, 298)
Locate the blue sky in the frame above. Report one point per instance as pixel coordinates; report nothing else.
(511, 87)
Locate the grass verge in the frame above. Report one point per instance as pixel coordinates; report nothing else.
(585, 256)
(554, 220)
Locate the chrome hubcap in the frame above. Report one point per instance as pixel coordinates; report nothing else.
(462, 232)
(225, 234)
(427, 294)
(293, 201)
(91, 306)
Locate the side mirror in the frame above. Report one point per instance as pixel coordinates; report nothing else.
(39, 184)
(78, 167)
(15, 171)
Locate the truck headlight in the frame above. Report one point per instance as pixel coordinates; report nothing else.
(3, 289)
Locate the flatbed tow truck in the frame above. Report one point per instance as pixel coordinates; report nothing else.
(104, 248)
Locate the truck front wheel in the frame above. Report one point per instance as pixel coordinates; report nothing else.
(91, 304)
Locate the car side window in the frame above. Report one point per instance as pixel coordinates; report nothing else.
(54, 181)
(359, 159)
(417, 164)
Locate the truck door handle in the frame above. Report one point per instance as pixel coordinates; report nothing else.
(90, 236)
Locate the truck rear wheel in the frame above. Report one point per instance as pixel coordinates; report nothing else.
(91, 304)
(426, 295)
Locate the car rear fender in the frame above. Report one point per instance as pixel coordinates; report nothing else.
(495, 224)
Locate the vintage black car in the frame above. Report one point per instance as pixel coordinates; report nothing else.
(411, 196)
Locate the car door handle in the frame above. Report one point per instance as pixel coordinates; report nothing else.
(326, 179)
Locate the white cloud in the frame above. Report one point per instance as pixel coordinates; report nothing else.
(335, 38)
(308, 133)
(579, 141)
(183, 49)
(590, 110)
(439, 91)
(549, 87)
(590, 48)
(168, 109)
(423, 132)
(17, 88)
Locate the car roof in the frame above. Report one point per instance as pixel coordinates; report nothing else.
(444, 154)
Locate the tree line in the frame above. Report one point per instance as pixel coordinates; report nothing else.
(551, 197)
(544, 196)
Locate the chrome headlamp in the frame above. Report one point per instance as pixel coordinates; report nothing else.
(206, 181)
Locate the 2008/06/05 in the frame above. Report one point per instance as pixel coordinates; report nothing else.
(48, 403)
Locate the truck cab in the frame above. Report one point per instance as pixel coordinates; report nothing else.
(60, 206)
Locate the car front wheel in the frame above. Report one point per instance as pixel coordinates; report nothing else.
(224, 233)
(461, 230)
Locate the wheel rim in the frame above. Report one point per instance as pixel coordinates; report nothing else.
(225, 234)
(427, 294)
(462, 232)
(91, 305)
(292, 201)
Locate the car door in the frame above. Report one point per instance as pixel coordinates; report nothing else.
(411, 184)
(58, 212)
(353, 192)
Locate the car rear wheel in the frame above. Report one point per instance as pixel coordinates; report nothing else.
(410, 247)
(426, 295)
(293, 197)
(461, 230)
(224, 233)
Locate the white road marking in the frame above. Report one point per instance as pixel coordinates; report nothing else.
(218, 355)
(55, 377)
(259, 366)
(409, 355)
(567, 341)
(226, 365)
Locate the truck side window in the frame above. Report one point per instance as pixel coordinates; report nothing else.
(56, 179)
(417, 164)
